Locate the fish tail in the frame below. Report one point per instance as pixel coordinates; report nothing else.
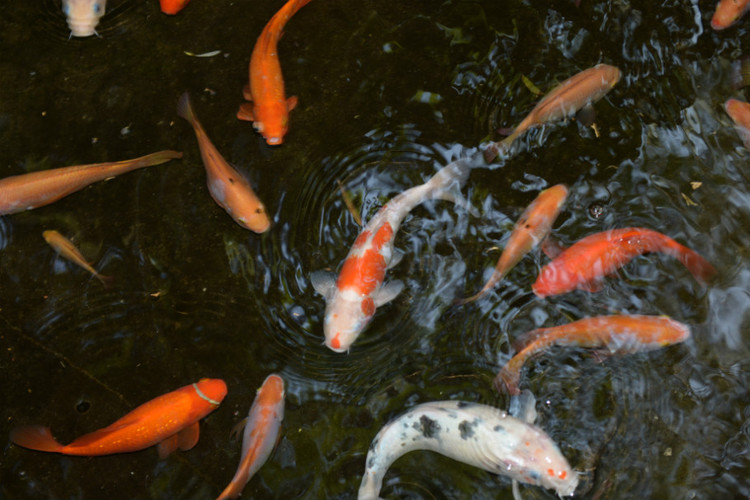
(447, 183)
(159, 157)
(494, 279)
(185, 109)
(496, 149)
(105, 280)
(507, 381)
(699, 267)
(35, 437)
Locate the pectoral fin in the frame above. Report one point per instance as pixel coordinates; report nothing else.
(396, 257)
(388, 292)
(323, 282)
(592, 286)
(291, 103)
(246, 112)
(188, 437)
(586, 115)
(167, 446)
(246, 93)
(455, 197)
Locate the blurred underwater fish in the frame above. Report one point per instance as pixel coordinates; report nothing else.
(739, 112)
(617, 334)
(172, 7)
(585, 263)
(261, 433)
(36, 189)
(351, 300)
(563, 101)
(531, 228)
(728, 12)
(478, 435)
(740, 72)
(170, 420)
(67, 249)
(229, 188)
(83, 15)
(269, 107)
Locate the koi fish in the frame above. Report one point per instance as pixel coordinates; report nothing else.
(172, 7)
(352, 299)
(83, 15)
(67, 249)
(261, 432)
(728, 12)
(585, 263)
(269, 107)
(36, 189)
(229, 189)
(533, 226)
(475, 434)
(171, 421)
(619, 334)
(739, 112)
(578, 91)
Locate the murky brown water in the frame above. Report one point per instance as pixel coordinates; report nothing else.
(389, 91)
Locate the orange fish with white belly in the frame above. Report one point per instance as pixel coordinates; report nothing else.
(229, 188)
(269, 107)
(618, 334)
(261, 433)
(171, 421)
(563, 101)
(36, 189)
(67, 249)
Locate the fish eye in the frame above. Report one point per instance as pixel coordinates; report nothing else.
(97, 8)
(66, 9)
(258, 210)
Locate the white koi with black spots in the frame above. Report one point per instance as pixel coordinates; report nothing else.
(475, 434)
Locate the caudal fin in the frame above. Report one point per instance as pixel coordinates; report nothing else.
(185, 109)
(35, 437)
(699, 267)
(507, 381)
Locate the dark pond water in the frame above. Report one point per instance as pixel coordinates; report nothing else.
(388, 92)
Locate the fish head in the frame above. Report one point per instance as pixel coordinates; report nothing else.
(727, 13)
(272, 389)
(83, 15)
(347, 314)
(272, 122)
(254, 218)
(213, 390)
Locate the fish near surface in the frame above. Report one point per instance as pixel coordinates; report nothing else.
(67, 249)
(172, 7)
(36, 189)
(229, 189)
(478, 435)
(575, 93)
(170, 420)
(531, 228)
(728, 12)
(269, 107)
(83, 15)
(261, 433)
(617, 334)
(585, 263)
(739, 112)
(352, 298)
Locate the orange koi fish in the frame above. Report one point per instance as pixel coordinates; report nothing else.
(563, 101)
(83, 15)
(172, 7)
(739, 112)
(261, 432)
(171, 421)
(352, 299)
(229, 189)
(728, 12)
(36, 189)
(586, 262)
(619, 334)
(67, 249)
(533, 226)
(269, 107)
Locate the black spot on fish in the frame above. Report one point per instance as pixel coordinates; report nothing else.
(498, 428)
(467, 429)
(428, 427)
(374, 443)
(462, 404)
(231, 181)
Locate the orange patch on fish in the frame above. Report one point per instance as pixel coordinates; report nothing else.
(368, 307)
(362, 274)
(383, 236)
(335, 342)
(361, 239)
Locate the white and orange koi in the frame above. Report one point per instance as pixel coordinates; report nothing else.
(67, 249)
(83, 15)
(351, 300)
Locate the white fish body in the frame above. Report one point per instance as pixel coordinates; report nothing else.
(83, 15)
(475, 434)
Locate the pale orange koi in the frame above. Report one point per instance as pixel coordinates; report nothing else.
(728, 12)
(67, 249)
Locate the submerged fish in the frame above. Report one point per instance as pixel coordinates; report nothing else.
(36, 189)
(83, 15)
(351, 300)
(269, 107)
(475, 434)
(728, 12)
(586, 262)
(563, 101)
(739, 112)
(67, 249)
(171, 421)
(172, 7)
(619, 334)
(532, 227)
(229, 188)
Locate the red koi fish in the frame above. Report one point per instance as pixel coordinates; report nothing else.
(229, 189)
(67, 249)
(739, 112)
(261, 432)
(563, 101)
(352, 299)
(171, 421)
(36, 189)
(619, 334)
(728, 12)
(533, 226)
(269, 107)
(585, 263)
(172, 7)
